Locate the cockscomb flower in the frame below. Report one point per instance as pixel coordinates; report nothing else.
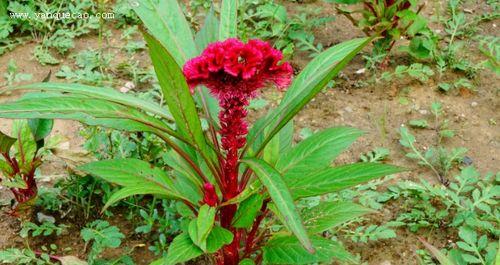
(235, 72)
(232, 67)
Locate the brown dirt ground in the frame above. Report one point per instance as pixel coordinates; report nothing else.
(375, 108)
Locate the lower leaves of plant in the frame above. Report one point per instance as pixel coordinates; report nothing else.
(21, 155)
(238, 183)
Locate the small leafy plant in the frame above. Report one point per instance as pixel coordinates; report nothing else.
(467, 206)
(101, 235)
(46, 229)
(238, 184)
(392, 19)
(437, 158)
(21, 156)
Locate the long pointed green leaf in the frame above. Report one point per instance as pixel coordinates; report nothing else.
(281, 197)
(105, 93)
(166, 22)
(142, 189)
(317, 151)
(86, 110)
(176, 94)
(208, 32)
(306, 85)
(128, 172)
(136, 176)
(328, 215)
(337, 178)
(228, 19)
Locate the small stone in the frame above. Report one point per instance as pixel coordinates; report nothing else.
(474, 104)
(45, 218)
(423, 112)
(127, 87)
(361, 71)
(348, 109)
(467, 161)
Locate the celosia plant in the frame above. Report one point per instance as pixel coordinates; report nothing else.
(236, 183)
(234, 72)
(391, 19)
(21, 157)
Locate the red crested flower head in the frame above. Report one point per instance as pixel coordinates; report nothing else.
(233, 68)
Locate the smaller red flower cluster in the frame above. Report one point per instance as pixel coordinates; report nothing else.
(233, 68)
(209, 195)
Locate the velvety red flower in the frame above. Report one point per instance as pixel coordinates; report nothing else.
(232, 67)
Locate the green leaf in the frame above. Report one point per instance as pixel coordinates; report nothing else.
(137, 176)
(468, 235)
(200, 228)
(287, 250)
(15, 182)
(419, 123)
(18, 256)
(181, 250)
(280, 144)
(317, 151)
(103, 93)
(128, 172)
(209, 32)
(246, 262)
(218, 238)
(6, 143)
(89, 111)
(328, 215)
(228, 19)
(5, 167)
(337, 178)
(282, 198)
(25, 145)
(247, 211)
(166, 22)
(176, 94)
(103, 234)
(40, 128)
(142, 189)
(315, 76)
